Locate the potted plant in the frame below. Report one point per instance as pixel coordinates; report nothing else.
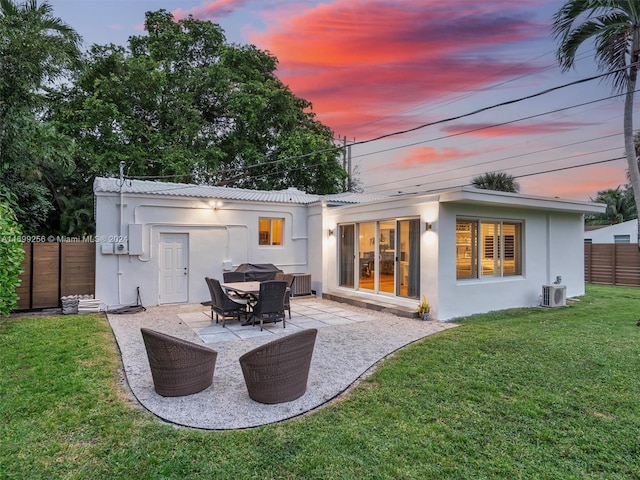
(424, 309)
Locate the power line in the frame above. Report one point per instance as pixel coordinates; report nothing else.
(438, 122)
(524, 175)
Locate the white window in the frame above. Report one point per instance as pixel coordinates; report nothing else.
(488, 248)
(622, 239)
(271, 231)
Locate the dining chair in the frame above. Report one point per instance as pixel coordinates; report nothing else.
(289, 278)
(230, 277)
(270, 304)
(222, 304)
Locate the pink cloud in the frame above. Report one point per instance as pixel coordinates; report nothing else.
(592, 179)
(210, 10)
(421, 156)
(516, 129)
(354, 58)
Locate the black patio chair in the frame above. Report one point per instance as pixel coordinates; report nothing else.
(222, 304)
(270, 304)
(230, 277)
(289, 278)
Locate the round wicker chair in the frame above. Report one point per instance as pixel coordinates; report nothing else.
(178, 367)
(278, 371)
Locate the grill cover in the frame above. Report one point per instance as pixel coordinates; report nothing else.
(258, 272)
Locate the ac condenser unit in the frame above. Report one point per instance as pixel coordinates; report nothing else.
(554, 296)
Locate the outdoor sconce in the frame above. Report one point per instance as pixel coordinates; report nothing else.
(331, 232)
(428, 226)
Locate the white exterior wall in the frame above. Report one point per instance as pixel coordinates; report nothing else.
(607, 234)
(317, 233)
(219, 239)
(552, 246)
(401, 208)
(223, 237)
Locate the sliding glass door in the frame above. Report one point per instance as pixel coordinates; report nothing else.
(367, 255)
(347, 255)
(385, 255)
(408, 281)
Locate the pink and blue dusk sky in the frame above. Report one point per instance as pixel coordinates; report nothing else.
(376, 67)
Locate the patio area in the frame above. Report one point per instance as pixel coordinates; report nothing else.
(350, 342)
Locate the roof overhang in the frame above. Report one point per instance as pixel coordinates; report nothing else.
(475, 196)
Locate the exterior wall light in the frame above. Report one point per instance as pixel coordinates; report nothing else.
(331, 232)
(428, 226)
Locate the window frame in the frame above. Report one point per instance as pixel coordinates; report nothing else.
(267, 238)
(481, 254)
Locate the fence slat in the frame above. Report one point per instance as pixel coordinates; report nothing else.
(612, 264)
(52, 270)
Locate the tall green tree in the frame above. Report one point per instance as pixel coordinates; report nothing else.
(620, 207)
(36, 50)
(499, 181)
(181, 103)
(614, 28)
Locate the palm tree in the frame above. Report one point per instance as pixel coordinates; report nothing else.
(614, 27)
(499, 181)
(620, 207)
(36, 49)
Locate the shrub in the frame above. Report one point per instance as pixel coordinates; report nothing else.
(11, 256)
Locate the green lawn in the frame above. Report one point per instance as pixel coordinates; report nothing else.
(528, 393)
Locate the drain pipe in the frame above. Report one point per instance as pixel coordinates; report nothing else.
(122, 164)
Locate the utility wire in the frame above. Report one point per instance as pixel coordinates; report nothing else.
(520, 176)
(437, 122)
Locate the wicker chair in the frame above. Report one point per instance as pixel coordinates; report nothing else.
(270, 304)
(289, 278)
(229, 277)
(278, 371)
(178, 367)
(222, 304)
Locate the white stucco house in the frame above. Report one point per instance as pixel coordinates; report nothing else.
(467, 250)
(624, 232)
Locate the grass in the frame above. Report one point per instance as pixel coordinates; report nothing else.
(526, 393)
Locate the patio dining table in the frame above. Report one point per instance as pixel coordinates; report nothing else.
(243, 288)
(248, 289)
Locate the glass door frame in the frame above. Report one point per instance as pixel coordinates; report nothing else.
(367, 255)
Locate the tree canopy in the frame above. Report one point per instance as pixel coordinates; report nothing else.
(179, 103)
(183, 104)
(620, 207)
(499, 181)
(36, 49)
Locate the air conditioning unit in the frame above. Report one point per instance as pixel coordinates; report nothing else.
(554, 296)
(301, 284)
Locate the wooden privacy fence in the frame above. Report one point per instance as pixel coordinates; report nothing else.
(55, 269)
(612, 264)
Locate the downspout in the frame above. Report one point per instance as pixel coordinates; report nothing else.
(122, 164)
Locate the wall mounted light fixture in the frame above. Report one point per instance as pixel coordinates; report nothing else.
(331, 232)
(215, 204)
(428, 226)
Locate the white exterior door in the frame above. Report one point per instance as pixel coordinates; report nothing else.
(174, 267)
